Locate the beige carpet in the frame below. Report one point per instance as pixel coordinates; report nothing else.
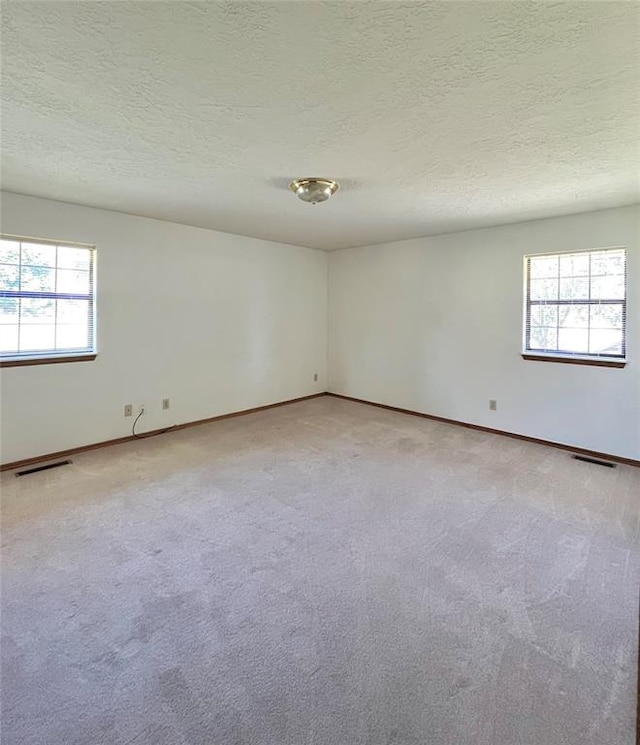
(321, 573)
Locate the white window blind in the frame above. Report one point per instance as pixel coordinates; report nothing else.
(47, 303)
(576, 304)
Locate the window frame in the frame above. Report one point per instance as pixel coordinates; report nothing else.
(577, 358)
(56, 356)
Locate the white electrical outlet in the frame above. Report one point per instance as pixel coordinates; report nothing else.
(493, 404)
(166, 403)
(128, 410)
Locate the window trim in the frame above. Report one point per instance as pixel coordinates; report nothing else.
(50, 360)
(49, 357)
(576, 358)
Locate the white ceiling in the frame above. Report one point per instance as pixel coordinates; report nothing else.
(434, 116)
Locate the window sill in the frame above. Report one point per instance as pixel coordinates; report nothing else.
(25, 361)
(574, 360)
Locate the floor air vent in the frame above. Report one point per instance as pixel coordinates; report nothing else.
(35, 469)
(596, 461)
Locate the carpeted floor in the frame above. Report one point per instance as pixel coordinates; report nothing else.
(321, 573)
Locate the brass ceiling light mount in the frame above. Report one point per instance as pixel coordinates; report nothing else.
(314, 190)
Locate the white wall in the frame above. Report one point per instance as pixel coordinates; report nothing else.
(435, 325)
(220, 323)
(215, 322)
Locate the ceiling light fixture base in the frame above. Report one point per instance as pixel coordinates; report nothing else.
(314, 190)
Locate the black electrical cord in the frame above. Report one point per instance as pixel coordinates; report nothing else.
(133, 429)
(149, 434)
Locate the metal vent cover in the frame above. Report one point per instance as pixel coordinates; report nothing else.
(45, 467)
(595, 461)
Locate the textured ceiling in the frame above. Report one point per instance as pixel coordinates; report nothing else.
(434, 116)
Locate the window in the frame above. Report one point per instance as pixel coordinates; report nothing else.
(576, 306)
(46, 301)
